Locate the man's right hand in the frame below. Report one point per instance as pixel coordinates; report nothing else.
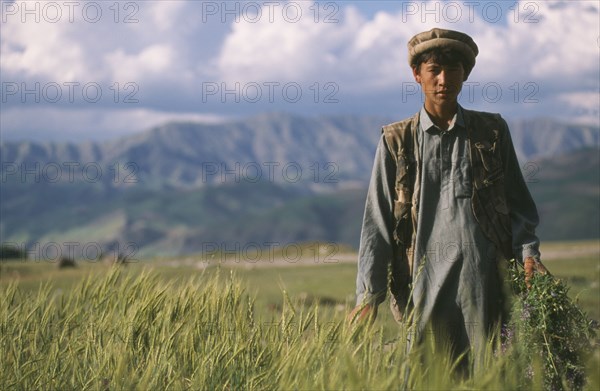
(361, 313)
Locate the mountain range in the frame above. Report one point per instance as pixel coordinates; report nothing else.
(274, 178)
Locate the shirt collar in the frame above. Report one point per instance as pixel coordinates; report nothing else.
(427, 124)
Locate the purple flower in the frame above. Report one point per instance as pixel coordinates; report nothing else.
(529, 372)
(526, 313)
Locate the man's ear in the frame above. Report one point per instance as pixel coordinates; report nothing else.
(416, 75)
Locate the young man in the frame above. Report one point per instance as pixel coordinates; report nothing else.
(446, 203)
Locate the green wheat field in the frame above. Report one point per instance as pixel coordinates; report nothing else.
(191, 324)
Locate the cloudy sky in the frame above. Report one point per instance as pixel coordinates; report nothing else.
(92, 70)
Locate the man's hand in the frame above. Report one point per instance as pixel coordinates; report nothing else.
(361, 313)
(531, 266)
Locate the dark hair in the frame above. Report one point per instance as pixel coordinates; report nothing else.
(442, 56)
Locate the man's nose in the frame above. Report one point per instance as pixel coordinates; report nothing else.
(442, 77)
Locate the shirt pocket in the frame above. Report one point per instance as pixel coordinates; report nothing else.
(461, 179)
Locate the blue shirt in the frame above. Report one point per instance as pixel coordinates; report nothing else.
(448, 239)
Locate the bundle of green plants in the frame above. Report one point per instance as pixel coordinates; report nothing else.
(549, 328)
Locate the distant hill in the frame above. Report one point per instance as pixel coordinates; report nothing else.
(179, 188)
(193, 155)
(567, 192)
(545, 137)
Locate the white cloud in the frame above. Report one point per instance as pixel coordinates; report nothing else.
(48, 50)
(559, 43)
(285, 48)
(139, 41)
(175, 46)
(166, 14)
(152, 61)
(547, 42)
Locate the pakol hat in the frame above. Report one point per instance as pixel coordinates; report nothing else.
(441, 38)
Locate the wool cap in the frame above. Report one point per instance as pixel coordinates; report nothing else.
(441, 38)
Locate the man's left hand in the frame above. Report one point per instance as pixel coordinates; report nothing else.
(532, 266)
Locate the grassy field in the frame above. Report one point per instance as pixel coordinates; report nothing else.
(183, 325)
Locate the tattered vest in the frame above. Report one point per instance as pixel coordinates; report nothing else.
(485, 132)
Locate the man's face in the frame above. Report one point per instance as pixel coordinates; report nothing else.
(441, 84)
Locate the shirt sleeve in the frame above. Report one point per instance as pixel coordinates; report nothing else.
(376, 238)
(523, 212)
